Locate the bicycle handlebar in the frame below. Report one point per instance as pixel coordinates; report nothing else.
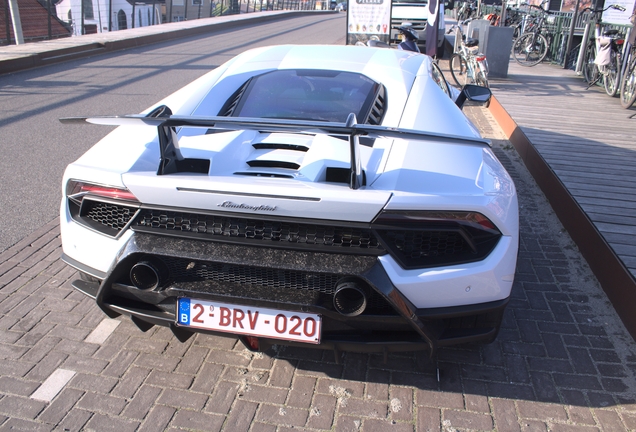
(597, 11)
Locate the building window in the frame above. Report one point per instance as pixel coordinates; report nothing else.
(122, 23)
(88, 9)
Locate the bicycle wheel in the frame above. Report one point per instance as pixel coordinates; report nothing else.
(628, 85)
(612, 74)
(481, 79)
(590, 70)
(459, 70)
(530, 49)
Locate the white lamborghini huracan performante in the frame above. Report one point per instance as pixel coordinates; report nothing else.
(318, 196)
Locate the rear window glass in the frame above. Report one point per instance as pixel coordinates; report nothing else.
(307, 95)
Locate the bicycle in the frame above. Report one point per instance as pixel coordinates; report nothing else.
(466, 10)
(628, 83)
(602, 59)
(628, 78)
(532, 46)
(467, 66)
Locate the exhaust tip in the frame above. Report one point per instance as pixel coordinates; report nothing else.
(349, 299)
(146, 275)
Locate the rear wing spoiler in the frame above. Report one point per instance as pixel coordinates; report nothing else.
(173, 162)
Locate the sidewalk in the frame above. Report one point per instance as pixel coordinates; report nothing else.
(579, 145)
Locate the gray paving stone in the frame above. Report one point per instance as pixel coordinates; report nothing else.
(46, 365)
(198, 421)
(183, 399)
(17, 386)
(100, 422)
(322, 412)
(89, 382)
(20, 407)
(282, 415)
(144, 400)
(111, 406)
(302, 392)
(241, 416)
(208, 377)
(282, 373)
(14, 424)
(401, 404)
(157, 419)
(61, 405)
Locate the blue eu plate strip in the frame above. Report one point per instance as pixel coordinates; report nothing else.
(184, 311)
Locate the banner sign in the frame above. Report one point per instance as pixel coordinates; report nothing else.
(368, 19)
(613, 16)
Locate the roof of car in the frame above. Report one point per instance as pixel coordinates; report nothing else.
(381, 64)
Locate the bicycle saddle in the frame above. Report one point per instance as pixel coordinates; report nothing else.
(611, 32)
(470, 42)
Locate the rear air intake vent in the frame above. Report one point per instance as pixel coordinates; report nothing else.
(276, 146)
(230, 104)
(378, 108)
(273, 164)
(264, 174)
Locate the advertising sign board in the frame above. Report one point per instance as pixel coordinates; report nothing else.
(368, 19)
(613, 16)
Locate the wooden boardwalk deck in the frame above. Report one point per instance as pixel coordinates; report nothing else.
(585, 141)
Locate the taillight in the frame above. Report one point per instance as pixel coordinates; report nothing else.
(421, 239)
(480, 58)
(620, 41)
(410, 218)
(106, 209)
(77, 190)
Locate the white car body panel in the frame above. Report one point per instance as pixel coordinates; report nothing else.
(464, 284)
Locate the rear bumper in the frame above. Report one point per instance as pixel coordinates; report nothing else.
(393, 324)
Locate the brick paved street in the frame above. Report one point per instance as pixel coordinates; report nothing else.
(562, 362)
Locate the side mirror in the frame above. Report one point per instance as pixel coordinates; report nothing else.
(473, 93)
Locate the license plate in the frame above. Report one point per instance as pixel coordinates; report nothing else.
(247, 320)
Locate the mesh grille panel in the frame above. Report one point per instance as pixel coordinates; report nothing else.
(269, 231)
(192, 271)
(251, 281)
(110, 215)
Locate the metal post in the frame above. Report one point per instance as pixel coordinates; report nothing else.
(48, 7)
(110, 15)
(82, 17)
(15, 20)
(568, 47)
(133, 16)
(586, 36)
(502, 15)
(6, 22)
(154, 11)
(185, 14)
(99, 17)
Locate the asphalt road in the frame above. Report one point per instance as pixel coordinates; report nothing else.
(36, 147)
